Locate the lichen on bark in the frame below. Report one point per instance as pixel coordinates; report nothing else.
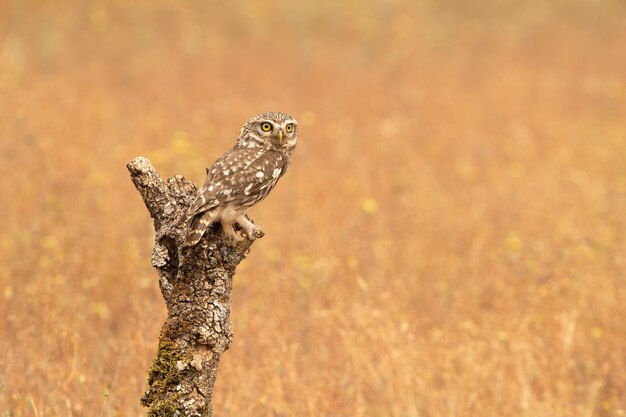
(196, 283)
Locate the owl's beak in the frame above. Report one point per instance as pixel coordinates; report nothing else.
(280, 136)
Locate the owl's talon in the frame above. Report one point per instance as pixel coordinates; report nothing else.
(251, 231)
(254, 234)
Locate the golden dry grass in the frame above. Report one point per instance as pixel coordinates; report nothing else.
(449, 240)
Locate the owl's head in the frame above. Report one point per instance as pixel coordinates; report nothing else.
(275, 128)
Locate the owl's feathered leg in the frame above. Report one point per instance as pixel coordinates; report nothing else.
(198, 226)
(249, 228)
(231, 237)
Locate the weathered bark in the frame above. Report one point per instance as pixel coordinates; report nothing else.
(196, 283)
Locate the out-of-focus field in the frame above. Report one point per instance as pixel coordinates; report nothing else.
(450, 239)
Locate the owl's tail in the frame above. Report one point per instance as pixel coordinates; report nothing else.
(198, 225)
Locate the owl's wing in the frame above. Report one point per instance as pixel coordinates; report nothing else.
(258, 177)
(207, 198)
(240, 174)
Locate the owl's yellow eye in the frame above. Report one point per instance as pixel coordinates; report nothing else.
(266, 127)
(289, 128)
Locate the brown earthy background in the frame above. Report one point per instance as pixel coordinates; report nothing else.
(450, 239)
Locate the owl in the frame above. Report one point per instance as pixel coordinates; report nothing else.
(243, 176)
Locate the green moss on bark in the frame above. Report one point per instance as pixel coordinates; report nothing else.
(163, 377)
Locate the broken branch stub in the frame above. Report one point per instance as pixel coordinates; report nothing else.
(196, 283)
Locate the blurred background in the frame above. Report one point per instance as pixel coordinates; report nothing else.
(450, 239)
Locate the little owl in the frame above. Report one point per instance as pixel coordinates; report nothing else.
(243, 176)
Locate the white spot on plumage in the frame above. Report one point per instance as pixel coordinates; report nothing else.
(210, 188)
(227, 192)
(226, 171)
(246, 190)
(276, 172)
(260, 174)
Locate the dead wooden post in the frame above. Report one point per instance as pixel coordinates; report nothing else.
(196, 284)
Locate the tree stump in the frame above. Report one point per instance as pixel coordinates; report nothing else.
(196, 283)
